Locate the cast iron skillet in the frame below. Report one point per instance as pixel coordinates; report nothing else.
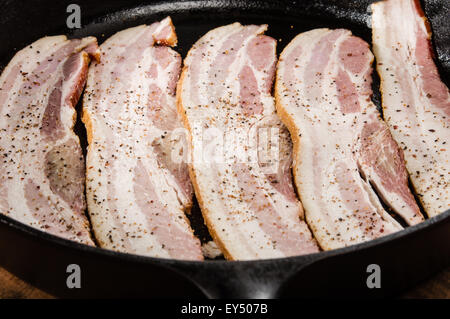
(405, 258)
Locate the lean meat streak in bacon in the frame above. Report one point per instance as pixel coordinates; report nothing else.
(42, 174)
(137, 190)
(240, 151)
(344, 155)
(416, 103)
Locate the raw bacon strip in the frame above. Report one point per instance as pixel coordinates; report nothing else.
(416, 103)
(344, 155)
(42, 175)
(138, 186)
(245, 193)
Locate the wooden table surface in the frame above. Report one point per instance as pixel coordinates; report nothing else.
(13, 287)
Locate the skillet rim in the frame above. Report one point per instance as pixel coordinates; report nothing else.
(83, 248)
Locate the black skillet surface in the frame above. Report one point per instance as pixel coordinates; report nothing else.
(405, 258)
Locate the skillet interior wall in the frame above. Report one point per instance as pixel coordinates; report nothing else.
(24, 21)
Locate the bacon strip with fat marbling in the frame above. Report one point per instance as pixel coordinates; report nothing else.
(246, 195)
(42, 175)
(137, 191)
(343, 151)
(416, 103)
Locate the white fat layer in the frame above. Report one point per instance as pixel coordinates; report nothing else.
(120, 125)
(24, 164)
(421, 129)
(324, 147)
(234, 221)
(210, 250)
